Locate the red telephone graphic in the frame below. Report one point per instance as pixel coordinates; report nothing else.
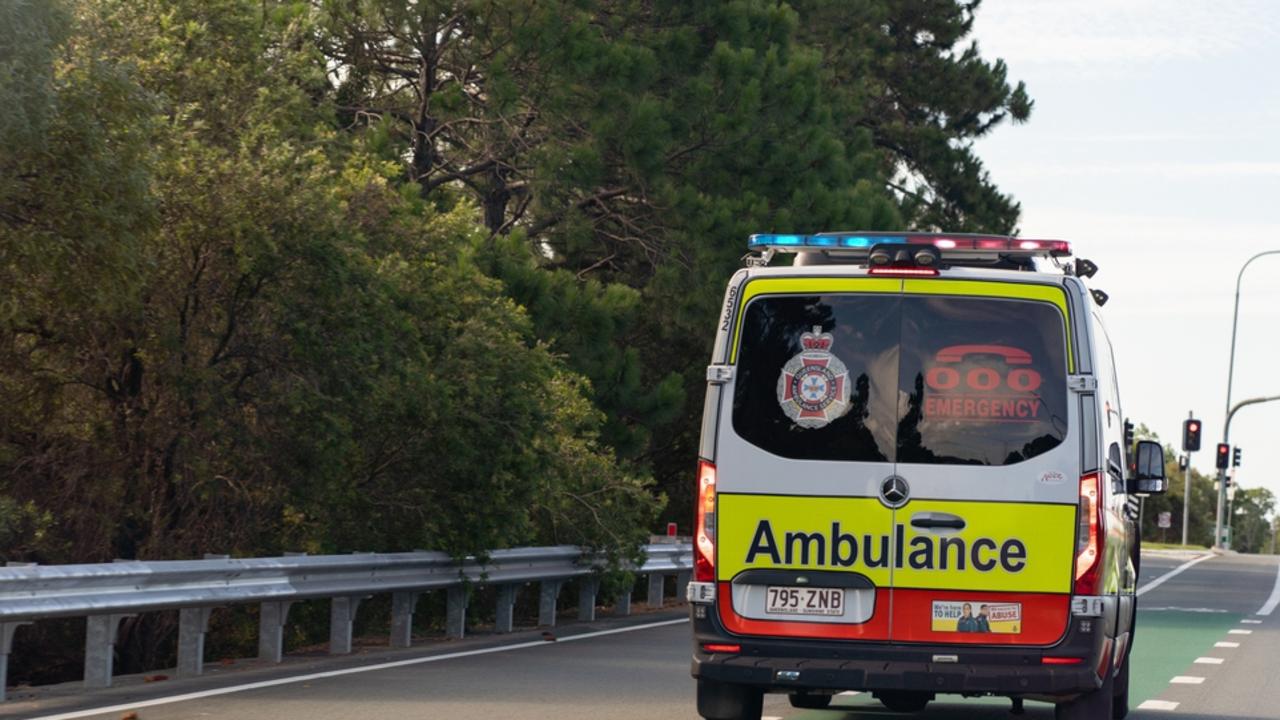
(982, 379)
(957, 353)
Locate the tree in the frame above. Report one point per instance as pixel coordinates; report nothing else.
(1251, 512)
(925, 97)
(228, 327)
(627, 148)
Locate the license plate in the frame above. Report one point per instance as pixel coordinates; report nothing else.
(804, 601)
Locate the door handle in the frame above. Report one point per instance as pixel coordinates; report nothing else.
(937, 520)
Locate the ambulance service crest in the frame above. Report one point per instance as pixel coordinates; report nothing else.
(813, 388)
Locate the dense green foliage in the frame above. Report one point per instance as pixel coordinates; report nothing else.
(377, 274)
(229, 327)
(335, 275)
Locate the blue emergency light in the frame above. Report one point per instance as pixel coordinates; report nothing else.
(864, 240)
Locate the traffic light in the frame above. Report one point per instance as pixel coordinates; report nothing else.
(1190, 435)
(1224, 456)
(1235, 458)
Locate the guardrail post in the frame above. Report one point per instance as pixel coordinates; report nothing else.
(548, 591)
(193, 623)
(682, 581)
(656, 581)
(587, 591)
(402, 606)
(342, 617)
(622, 603)
(455, 624)
(271, 620)
(504, 621)
(99, 649)
(6, 646)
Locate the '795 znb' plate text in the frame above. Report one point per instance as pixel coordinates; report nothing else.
(804, 601)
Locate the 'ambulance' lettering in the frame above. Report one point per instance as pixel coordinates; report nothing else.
(841, 549)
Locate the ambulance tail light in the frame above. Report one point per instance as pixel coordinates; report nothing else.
(728, 648)
(704, 550)
(1089, 541)
(1054, 660)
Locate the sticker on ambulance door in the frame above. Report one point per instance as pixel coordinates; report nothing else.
(977, 617)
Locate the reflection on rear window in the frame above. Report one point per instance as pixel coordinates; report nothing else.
(983, 381)
(790, 402)
(940, 380)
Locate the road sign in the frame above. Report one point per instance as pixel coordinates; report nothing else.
(1165, 520)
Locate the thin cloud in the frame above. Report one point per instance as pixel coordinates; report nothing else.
(1163, 170)
(1105, 32)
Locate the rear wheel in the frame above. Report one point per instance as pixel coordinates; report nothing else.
(722, 701)
(903, 701)
(809, 701)
(1094, 705)
(1120, 693)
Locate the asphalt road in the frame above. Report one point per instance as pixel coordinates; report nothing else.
(638, 669)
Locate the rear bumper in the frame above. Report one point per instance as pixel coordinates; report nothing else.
(874, 675)
(793, 664)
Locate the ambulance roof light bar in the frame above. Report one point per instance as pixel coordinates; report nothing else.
(858, 244)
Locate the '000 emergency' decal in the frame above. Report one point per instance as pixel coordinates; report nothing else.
(1003, 391)
(1011, 547)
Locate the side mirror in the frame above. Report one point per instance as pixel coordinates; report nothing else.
(1148, 477)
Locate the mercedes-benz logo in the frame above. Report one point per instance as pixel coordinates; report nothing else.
(894, 492)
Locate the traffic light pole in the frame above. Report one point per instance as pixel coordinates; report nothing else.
(1187, 483)
(1186, 476)
(1222, 472)
(1186, 498)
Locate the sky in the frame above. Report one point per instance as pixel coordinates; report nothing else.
(1154, 146)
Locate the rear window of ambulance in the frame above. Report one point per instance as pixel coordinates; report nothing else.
(914, 379)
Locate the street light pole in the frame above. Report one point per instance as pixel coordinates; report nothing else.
(1222, 473)
(1231, 368)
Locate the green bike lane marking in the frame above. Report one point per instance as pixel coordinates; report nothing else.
(1168, 642)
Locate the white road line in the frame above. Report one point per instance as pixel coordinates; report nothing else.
(1209, 661)
(1165, 577)
(348, 671)
(1187, 680)
(1158, 705)
(1239, 632)
(1274, 600)
(848, 693)
(1225, 644)
(1251, 622)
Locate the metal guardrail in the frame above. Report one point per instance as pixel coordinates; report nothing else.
(108, 593)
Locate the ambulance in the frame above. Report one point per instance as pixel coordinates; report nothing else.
(915, 479)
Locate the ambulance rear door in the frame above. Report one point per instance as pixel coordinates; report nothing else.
(805, 439)
(988, 451)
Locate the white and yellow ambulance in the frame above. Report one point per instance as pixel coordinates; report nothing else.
(915, 478)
